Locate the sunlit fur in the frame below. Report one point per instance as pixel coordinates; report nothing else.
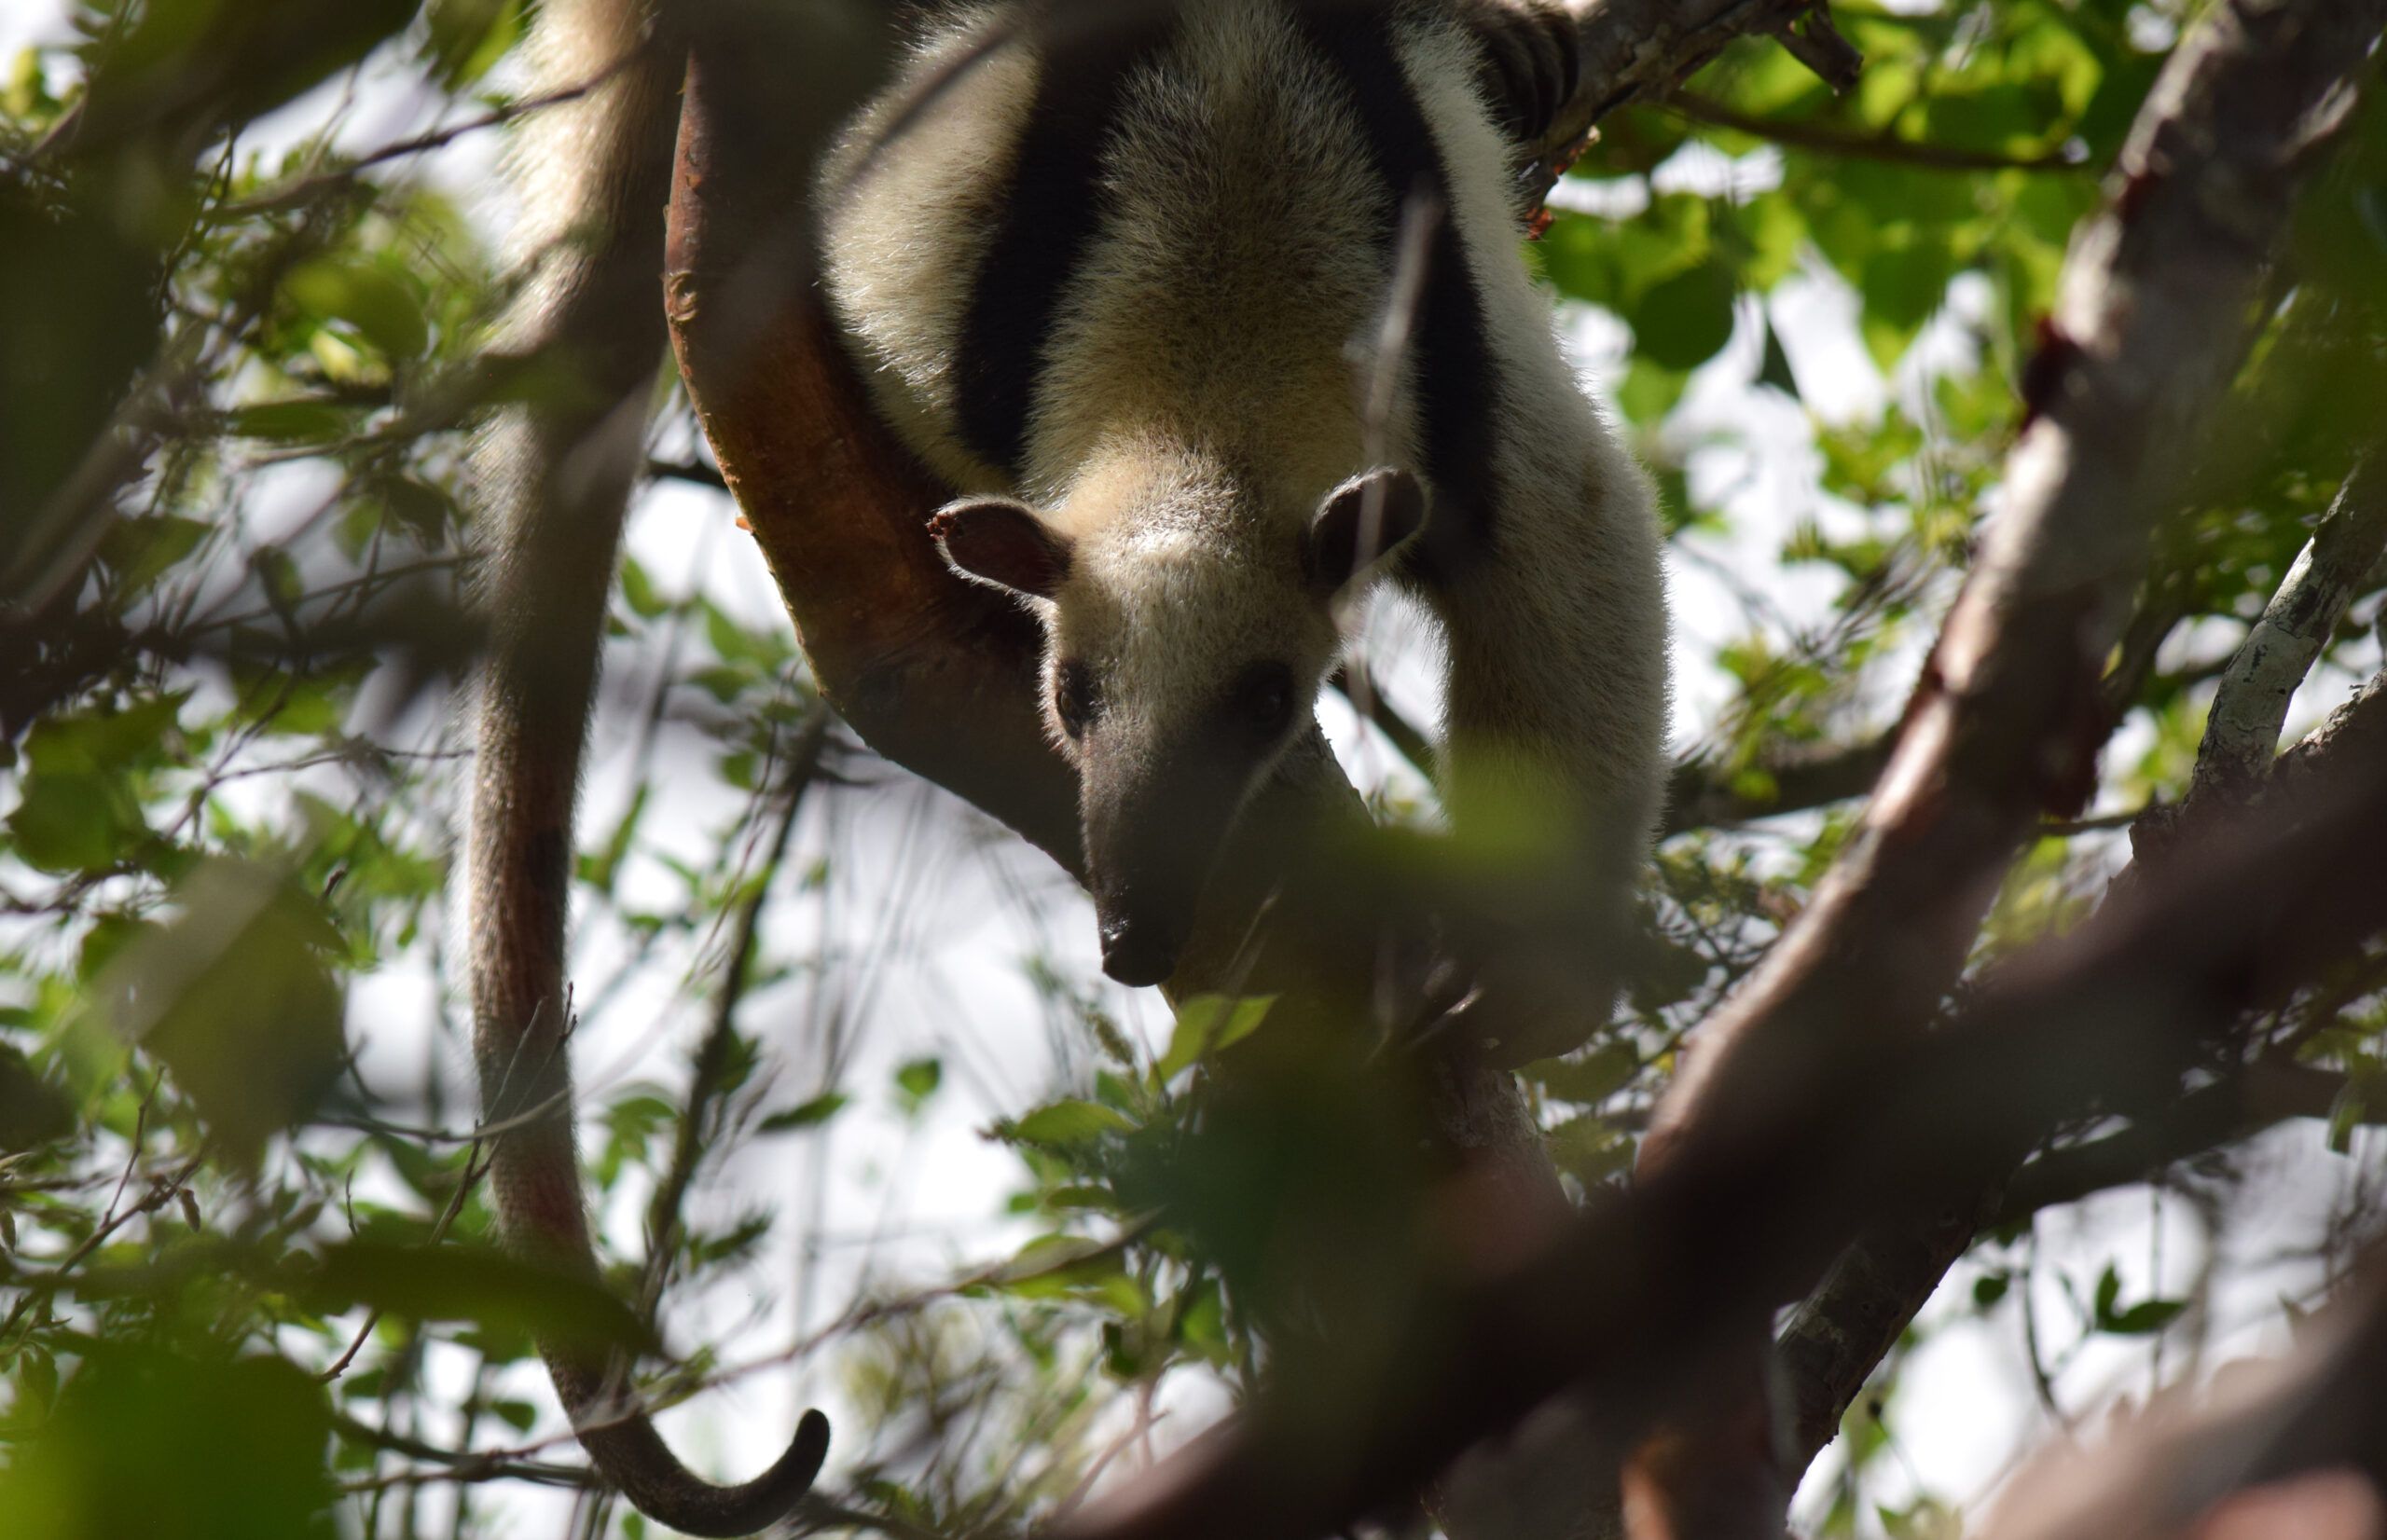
(1201, 390)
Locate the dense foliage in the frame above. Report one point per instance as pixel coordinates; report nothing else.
(244, 276)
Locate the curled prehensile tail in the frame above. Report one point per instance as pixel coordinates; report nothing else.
(552, 480)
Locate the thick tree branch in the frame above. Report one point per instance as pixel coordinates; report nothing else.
(2153, 323)
(2356, 727)
(1837, 1336)
(1841, 1332)
(2153, 320)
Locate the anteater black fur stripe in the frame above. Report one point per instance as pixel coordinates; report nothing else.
(1056, 204)
(1457, 381)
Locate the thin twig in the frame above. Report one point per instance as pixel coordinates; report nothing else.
(476, 1167)
(1826, 140)
(663, 1221)
(307, 188)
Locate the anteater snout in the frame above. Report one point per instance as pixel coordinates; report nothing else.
(1138, 954)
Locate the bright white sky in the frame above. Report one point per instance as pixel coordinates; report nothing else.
(939, 913)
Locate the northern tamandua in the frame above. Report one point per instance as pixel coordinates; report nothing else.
(1125, 279)
(1126, 285)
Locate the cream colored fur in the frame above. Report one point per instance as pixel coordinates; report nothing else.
(900, 240)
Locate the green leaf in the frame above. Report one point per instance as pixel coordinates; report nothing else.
(2009, 116)
(421, 510)
(489, 1289)
(32, 1110)
(1243, 1021)
(2347, 1111)
(1210, 1024)
(811, 1114)
(72, 824)
(916, 1083)
(1683, 322)
(236, 998)
(1069, 1122)
(2142, 1319)
(1055, 1266)
(1590, 1151)
(638, 591)
(2109, 1290)
(1928, 1520)
(1768, 234)
(382, 307)
(2146, 1317)
(1650, 390)
(1903, 287)
(106, 740)
(467, 36)
(1591, 1079)
(143, 549)
(146, 1442)
(1077, 1198)
(1201, 1322)
(294, 421)
(1775, 371)
(37, 1385)
(599, 868)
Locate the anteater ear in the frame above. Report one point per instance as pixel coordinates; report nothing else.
(1362, 522)
(997, 541)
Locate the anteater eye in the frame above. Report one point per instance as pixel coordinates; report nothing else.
(1073, 697)
(1267, 697)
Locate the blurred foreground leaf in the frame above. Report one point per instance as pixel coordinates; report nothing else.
(150, 1443)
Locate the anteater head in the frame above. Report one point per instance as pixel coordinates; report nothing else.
(1187, 636)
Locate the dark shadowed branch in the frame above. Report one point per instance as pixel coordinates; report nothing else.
(2262, 1096)
(2104, 1020)
(1635, 47)
(1699, 796)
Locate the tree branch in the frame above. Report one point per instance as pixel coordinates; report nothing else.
(2250, 707)
(1698, 796)
(2152, 323)
(1838, 1335)
(1822, 139)
(2262, 1096)
(1635, 47)
(2004, 722)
